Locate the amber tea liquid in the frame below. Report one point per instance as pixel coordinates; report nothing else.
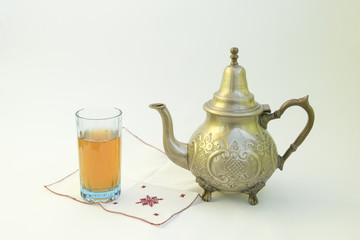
(100, 161)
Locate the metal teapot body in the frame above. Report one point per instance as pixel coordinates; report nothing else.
(232, 151)
(231, 154)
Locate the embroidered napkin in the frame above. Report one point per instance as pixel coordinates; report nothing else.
(138, 199)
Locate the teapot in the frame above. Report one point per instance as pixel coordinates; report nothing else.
(232, 150)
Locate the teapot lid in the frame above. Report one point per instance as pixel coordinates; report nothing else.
(233, 97)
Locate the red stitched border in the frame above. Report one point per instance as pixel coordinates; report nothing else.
(156, 224)
(144, 141)
(61, 179)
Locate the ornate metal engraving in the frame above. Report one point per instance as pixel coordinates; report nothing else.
(232, 151)
(237, 165)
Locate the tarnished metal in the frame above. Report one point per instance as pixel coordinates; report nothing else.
(175, 150)
(232, 150)
(233, 98)
(301, 102)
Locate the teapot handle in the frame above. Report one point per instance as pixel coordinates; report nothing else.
(267, 116)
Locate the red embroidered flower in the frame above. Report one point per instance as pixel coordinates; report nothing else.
(149, 201)
(182, 195)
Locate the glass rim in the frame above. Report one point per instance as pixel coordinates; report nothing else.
(77, 114)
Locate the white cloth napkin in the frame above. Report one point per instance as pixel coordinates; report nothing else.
(138, 199)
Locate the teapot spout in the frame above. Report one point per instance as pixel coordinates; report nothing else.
(175, 150)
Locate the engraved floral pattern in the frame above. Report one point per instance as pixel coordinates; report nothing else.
(235, 166)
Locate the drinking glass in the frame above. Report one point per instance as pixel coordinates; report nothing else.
(99, 142)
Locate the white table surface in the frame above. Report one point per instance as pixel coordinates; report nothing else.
(59, 56)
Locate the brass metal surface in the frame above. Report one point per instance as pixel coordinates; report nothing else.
(302, 102)
(233, 97)
(175, 150)
(232, 151)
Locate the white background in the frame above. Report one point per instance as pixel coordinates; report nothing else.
(59, 56)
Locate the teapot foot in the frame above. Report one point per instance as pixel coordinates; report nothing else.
(207, 194)
(253, 200)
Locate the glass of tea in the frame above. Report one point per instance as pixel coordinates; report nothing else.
(99, 141)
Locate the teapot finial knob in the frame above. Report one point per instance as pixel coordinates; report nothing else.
(234, 51)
